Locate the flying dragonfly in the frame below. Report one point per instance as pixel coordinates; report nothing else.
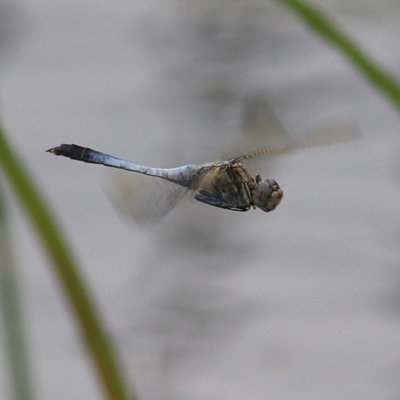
(226, 183)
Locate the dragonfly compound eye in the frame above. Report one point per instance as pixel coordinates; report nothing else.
(267, 195)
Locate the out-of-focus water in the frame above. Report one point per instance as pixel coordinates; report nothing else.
(301, 303)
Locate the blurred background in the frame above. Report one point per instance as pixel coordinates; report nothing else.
(301, 303)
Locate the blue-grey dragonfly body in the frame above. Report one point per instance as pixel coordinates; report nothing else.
(225, 184)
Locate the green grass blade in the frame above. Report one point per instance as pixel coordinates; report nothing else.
(326, 27)
(18, 362)
(65, 267)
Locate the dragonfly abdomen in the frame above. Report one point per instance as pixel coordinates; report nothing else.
(79, 153)
(182, 176)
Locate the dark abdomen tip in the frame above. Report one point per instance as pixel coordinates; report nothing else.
(71, 151)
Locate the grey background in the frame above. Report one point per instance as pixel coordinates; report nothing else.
(301, 303)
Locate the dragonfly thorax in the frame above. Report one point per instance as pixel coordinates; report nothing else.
(267, 194)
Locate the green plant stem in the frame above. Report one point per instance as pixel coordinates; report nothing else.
(21, 385)
(326, 27)
(65, 267)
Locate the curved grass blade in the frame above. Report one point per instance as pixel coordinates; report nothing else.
(92, 328)
(18, 360)
(326, 27)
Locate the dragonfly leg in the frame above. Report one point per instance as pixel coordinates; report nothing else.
(246, 191)
(216, 201)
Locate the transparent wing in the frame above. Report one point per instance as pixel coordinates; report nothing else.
(262, 134)
(260, 126)
(331, 134)
(143, 198)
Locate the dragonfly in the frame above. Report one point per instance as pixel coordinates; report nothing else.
(226, 183)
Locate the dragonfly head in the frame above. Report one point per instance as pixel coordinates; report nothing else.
(267, 195)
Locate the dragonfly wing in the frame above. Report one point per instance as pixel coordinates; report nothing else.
(143, 198)
(260, 126)
(331, 134)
